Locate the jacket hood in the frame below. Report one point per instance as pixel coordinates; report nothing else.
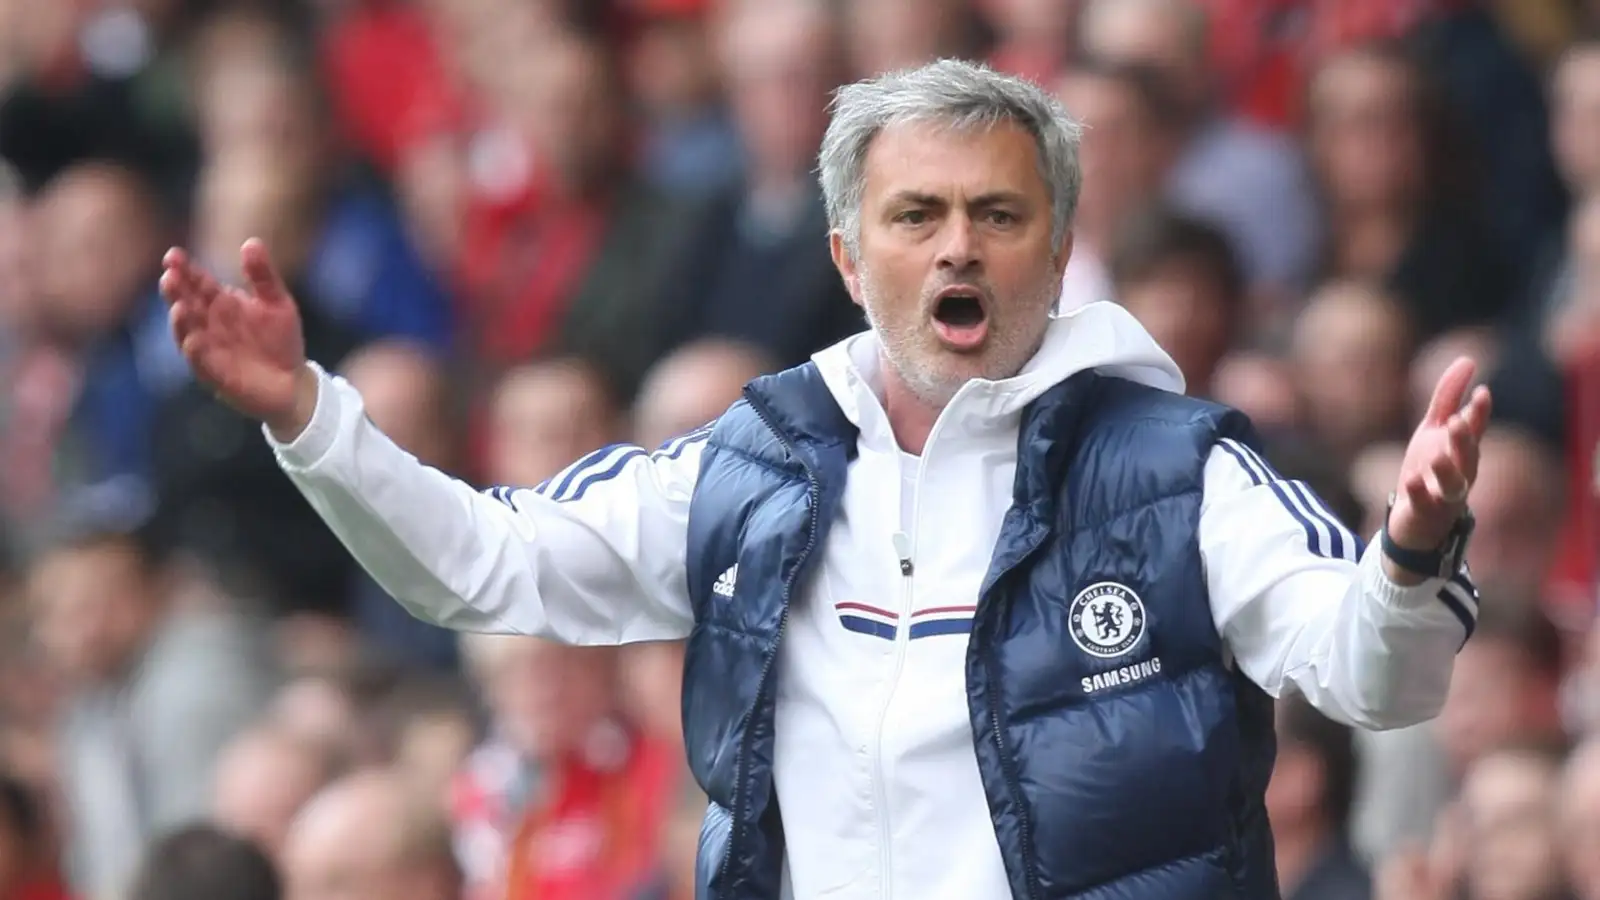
(1100, 335)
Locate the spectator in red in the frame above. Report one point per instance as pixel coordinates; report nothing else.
(584, 820)
(573, 264)
(593, 833)
(388, 83)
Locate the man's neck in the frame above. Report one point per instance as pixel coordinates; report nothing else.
(910, 417)
(1298, 852)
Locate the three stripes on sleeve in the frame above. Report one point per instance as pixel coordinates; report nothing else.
(1327, 538)
(602, 465)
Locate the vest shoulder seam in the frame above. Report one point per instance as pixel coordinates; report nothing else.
(1129, 510)
(746, 455)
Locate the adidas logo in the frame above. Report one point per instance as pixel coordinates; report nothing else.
(725, 581)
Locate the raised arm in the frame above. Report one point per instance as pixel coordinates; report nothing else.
(1301, 602)
(595, 556)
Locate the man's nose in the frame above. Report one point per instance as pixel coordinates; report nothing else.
(960, 249)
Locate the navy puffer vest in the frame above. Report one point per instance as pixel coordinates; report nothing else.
(1134, 771)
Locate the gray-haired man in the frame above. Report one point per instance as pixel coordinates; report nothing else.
(978, 604)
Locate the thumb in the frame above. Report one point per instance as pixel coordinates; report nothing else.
(265, 282)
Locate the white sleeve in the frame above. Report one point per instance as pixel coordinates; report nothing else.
(594, 556)
(1299, 602)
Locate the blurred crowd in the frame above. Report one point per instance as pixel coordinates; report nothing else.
(525, 229)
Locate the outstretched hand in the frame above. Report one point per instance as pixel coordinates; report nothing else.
(1441, 462)
(244, 343)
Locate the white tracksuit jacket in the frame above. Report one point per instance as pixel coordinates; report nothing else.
(875, 768)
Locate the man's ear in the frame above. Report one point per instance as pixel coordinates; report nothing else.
(846, 265)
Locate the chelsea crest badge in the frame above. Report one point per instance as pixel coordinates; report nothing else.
(1106, 619)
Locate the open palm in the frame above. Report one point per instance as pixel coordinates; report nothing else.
(1441, 462)
(246, 344)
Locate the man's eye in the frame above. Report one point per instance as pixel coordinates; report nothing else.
(1001, 217)
(912, 217)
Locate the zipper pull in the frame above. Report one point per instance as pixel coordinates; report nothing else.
(902, 550)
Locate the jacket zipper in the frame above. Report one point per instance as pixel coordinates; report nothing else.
(814, 491)
(902, 639)
(1025, 830)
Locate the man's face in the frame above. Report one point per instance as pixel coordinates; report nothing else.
(1350, 355)
(957, 271)
(544, 417)
(1125, 151)
(1188, 314)
(91, 608)
(1509, 803)
(260, 783)
(351, 850)
(1493, 692)
(1148, 35)
(91, 214)
(776, 67)
(1365, 142)
(548, 697)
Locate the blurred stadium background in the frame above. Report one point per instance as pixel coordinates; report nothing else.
(528, 228)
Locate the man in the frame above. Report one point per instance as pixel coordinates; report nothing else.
(262, 779)
(1179, 277)
(1250, 182)
(201, 862)
(1309, 802)
(1135, 582)
(155, 690)
(368, 837)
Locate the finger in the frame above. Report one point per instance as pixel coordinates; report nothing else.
(206, 285)
(184, 320)
(1451, 390)
(1464, 447)
(1478, 410)
(188, 283)
(260, 272)
(175, 258)
(1449, 480)
(1415, 487)
(175, 287)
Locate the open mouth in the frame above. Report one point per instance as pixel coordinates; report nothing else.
(960, 319)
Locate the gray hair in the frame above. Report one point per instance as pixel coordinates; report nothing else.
(961, 95)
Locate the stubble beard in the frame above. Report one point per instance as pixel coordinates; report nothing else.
(924, 367)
